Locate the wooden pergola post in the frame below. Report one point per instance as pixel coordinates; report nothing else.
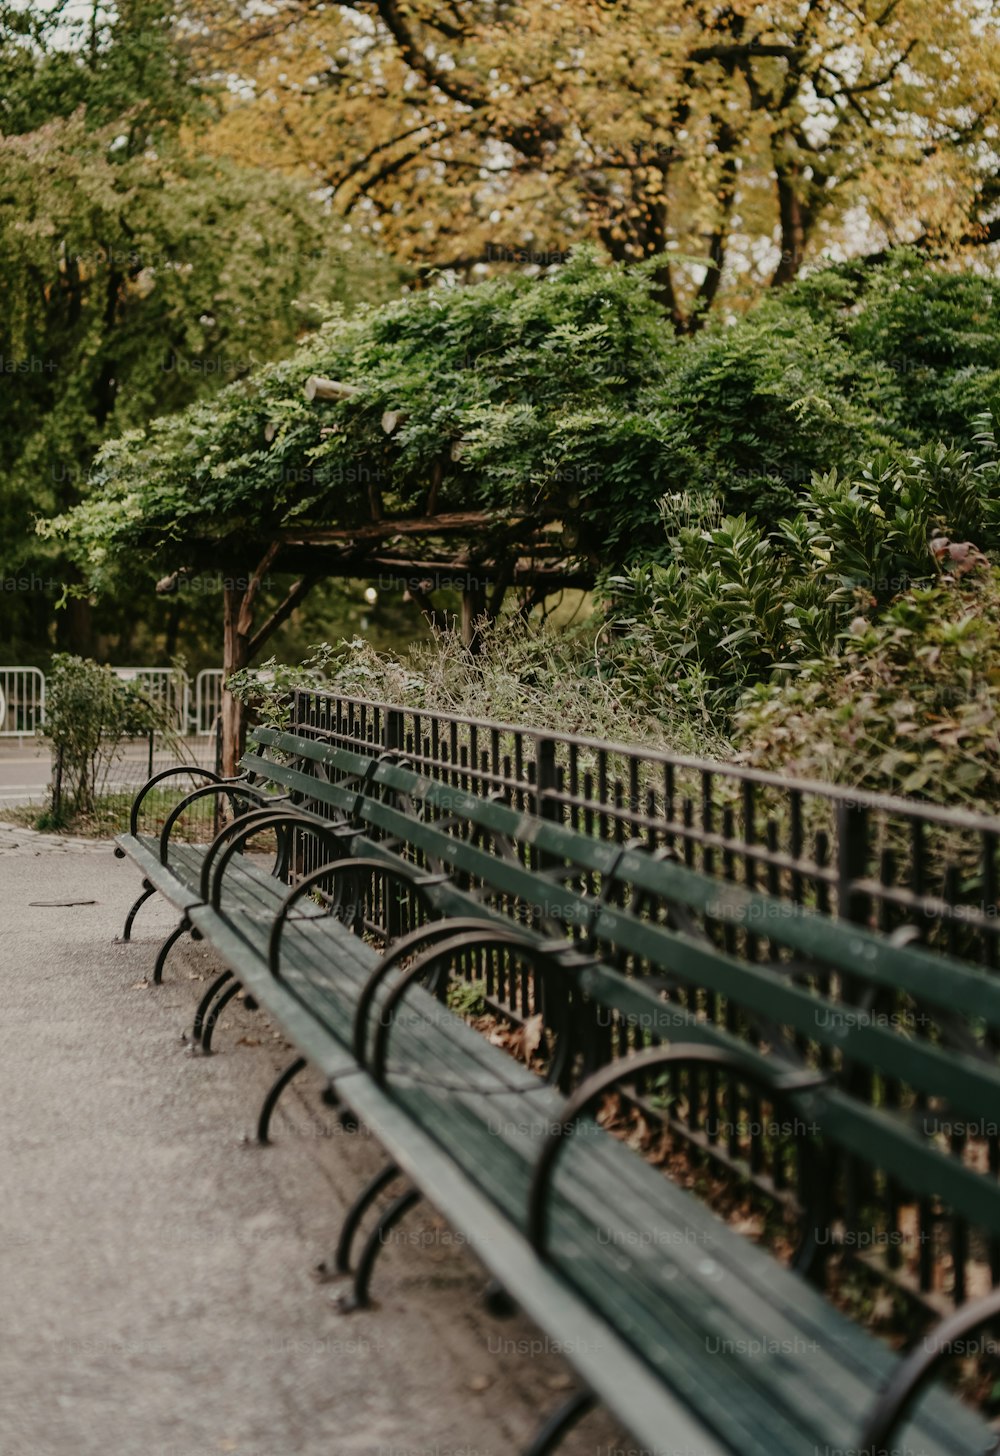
(239, 648)
(234, 658)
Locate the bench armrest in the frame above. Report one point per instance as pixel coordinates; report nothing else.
(413, 878)
(233, 837)
(157, 778)
(420, 939)
(917, 1367)
(234, 789)
(242, 821)
(485, 935)
(786, 1084)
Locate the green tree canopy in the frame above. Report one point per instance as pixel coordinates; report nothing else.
(138, 275)
(563, 406)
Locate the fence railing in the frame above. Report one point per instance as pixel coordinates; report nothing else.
(207, 700)
(168, 690)
(868, 858)
(22, 701)
(189, 710)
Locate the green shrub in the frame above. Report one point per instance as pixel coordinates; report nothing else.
(88, 714)
(930, 336)
(910, 705)
(568, 399)
(736, 605)
(751, 411)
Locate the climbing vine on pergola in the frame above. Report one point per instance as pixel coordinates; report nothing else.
(447, 439)
(511, 434)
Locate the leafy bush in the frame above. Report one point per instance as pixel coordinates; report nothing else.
(514, 375)
(911, 704)
(930, 336)
(736, 605)
(89, 711)
(751, 411)
(567, 400)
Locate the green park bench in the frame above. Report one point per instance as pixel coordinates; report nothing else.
(399, 906)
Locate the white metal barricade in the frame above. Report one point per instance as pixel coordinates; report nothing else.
(22, 697)
(207, 699)
(22, 701)
(169, 689)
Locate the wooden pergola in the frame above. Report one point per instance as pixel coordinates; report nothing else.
(479, 554)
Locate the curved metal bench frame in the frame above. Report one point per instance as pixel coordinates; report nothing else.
(484, 936)
(783, 1086)
(232, 838)
(348, 865)
(916, 1369)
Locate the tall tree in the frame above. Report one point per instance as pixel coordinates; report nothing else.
(748, 135)
(137, 275)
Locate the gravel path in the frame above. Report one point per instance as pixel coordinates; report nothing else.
(156, 1296)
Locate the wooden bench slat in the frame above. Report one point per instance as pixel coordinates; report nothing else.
(746, 1281)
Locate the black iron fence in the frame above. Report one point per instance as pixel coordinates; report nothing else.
(902, 867)
(868, 858)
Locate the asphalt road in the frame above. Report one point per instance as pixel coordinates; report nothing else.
(26, 767)
(156, 1295)
(24, 772)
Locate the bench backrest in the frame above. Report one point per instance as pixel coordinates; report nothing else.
(908, 1037)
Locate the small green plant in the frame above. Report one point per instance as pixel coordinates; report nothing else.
(89, 713)
(465, 999)
(268, 689)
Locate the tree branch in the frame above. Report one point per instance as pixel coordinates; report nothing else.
(280, 614)
(245, 620)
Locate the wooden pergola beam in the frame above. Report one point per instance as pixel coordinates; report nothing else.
(317, 387)
(459, 574)
(445, 524)
(280, 614)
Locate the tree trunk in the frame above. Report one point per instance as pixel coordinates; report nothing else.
(473, 607)
(234, 657)
(78, 627)
(240, 645)
(793, 230)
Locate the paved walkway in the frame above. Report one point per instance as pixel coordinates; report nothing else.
(155, 1287)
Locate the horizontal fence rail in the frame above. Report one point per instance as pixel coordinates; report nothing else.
(915, 871)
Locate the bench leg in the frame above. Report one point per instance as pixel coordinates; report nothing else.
(147, 890)
(358, 1297)
(341, 1261)
(271, 1100)
(205, 1003)
(167, 947)
(551, 1433)
(213, 1016)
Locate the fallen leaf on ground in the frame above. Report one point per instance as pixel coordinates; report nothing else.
(532, 1038)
